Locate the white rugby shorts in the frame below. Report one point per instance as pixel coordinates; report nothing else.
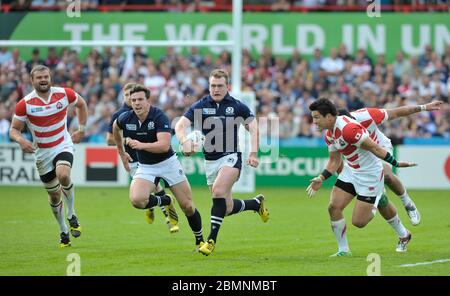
(212, 167)
(45, 163)
(170, 170)
(365, 183)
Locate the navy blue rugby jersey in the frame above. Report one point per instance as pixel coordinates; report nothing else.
(146, 132)
(219, 122)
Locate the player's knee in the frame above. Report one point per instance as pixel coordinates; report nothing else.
(187, 206)
(359, 223)
(219, 191)
(64, 178)
(388, 179)
(333, 209)
(54, 197)
(189, 210)
(137, 202)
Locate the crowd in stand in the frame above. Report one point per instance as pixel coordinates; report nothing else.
(200, 5)
(284, 87)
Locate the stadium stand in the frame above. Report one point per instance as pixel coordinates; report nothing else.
(225, 5)
(284, 87)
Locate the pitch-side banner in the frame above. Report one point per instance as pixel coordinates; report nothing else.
(433, 170)
(92, 166)
(282, 32)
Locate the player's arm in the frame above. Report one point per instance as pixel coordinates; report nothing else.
(15, 133)
(109, 134)
(110, 139)
(180, 132)
(118, 138)
(161, 145)
(81, 109)
(409, 110)
(180, 128)
(333, 163)
(252, 128)
(369, 145)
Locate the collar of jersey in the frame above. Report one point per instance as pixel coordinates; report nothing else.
(227, 98)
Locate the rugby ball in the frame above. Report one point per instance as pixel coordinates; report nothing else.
(197, 138)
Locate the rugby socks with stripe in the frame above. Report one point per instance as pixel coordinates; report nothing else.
(240, 205)
(218, 211)
(405, 198)
(69, 195)
(161, 194)
(58, 212)
(195, 222)
(155, 200)
(340, 232)
(398, 226)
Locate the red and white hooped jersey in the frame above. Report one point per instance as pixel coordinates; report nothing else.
(371, 118)
(346, 138)
(47, 120)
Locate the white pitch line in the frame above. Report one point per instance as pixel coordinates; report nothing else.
(425, 263)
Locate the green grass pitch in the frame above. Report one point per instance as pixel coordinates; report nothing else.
(297, 240)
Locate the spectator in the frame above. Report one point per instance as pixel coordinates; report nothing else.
(5, 55)
(52, 58)
(314, 64)
(343, 53)
(425, 58)
(20, 5)
(332, 65)
(4, 124)
(43, 4)
(280, 5)
(35, 60)
(401, 66)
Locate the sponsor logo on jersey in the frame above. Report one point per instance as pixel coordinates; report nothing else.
(131, 127)
(209, 111)
(37, 109)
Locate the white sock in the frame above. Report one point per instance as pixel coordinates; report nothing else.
(69, 195)
(398, 226)
(340, 232)
(405, 198)
(58, 212)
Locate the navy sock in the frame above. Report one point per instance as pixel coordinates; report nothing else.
(240, 205)
(218, 211)
(195, 222)
(154, 200)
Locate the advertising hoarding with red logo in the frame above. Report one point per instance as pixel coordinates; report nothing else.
(433, 170)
